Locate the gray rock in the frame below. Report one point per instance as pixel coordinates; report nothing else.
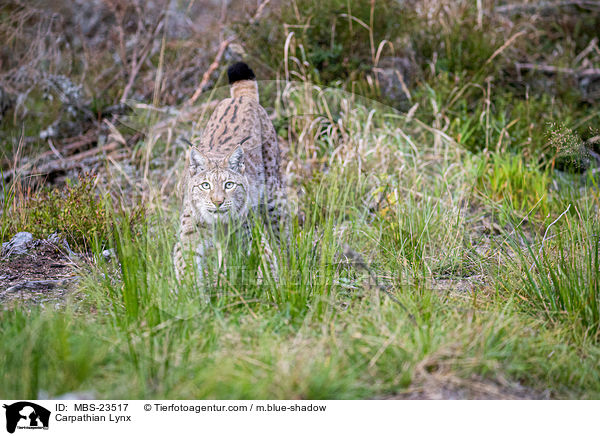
(18, 245)
(108, 254)
(395, 76)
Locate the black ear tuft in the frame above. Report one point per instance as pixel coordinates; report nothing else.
(239, 71)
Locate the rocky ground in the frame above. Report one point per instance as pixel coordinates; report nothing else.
(36, 271)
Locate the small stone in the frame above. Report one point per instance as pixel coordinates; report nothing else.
(108, 254)
(18, 245)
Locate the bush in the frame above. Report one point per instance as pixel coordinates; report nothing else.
(76, 211)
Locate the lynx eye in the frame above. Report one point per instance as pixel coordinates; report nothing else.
(205, 186)
(229, 185)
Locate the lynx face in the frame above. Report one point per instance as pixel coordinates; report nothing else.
(218, 188)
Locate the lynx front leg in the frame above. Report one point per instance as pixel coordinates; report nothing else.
(277, 213)
(180, 258)
(202, 252)
(191, 249)
(201, 274)
(185, 241)
(178, 261)
(268, 259)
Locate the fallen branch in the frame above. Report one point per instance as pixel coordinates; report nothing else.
(217, 60)
(85, 154)
(82, 141)
(584, 72)
(530, 7)
(78, 142)
(66, 164)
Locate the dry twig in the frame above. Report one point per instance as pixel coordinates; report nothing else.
(582, 72)
(516, 8)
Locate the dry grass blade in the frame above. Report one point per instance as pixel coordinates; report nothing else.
(505, 45)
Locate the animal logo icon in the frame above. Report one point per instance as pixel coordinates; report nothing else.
(26, 415)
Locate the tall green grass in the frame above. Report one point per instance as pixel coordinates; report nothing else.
(514, 187)
(562, 281)
(325, 329)
(7, 197)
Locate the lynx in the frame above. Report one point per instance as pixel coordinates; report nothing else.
(232, 174)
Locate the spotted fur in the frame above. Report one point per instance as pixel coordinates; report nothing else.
(232, 173)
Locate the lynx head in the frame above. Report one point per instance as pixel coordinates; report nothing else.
(218, 188)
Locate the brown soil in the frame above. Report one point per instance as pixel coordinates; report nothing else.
(43, 275)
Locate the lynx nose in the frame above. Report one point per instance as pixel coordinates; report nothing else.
(217, 201)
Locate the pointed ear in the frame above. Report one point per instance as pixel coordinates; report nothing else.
(235, 160)
(198, 162)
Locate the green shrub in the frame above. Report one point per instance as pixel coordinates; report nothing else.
(76, 211)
